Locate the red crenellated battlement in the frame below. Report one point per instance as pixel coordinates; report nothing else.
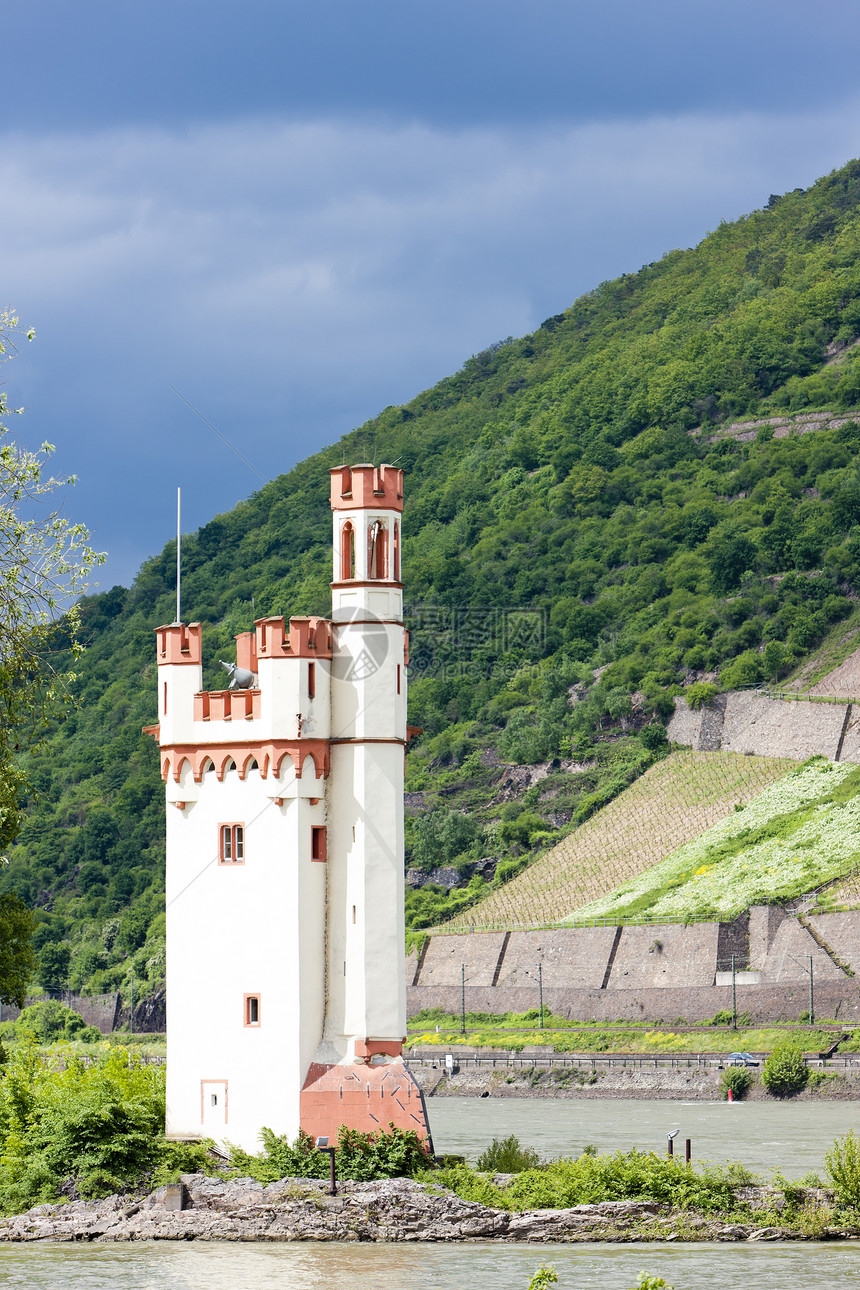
(177, 643)
(366, 488)
(227, 705)
(299, 638)
(246, 651)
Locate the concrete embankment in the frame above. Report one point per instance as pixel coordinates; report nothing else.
(540, 1073)
(395, 1210)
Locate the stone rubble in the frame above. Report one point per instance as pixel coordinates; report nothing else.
(393, 1210)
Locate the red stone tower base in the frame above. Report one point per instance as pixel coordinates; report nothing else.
(362, 1097)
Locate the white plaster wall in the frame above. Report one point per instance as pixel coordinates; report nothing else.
(176, 721)
(365, 703)
(380, 600)
(366, 958)
(240, 929)
(361, 521)
(284, 686)
(367, 982)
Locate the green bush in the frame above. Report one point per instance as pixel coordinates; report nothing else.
(842, 1162)
(91, 1127)
(785, 1072)
(654, 737)
(699, 694)
(738, 1079)
(747, 669)
(386, 1153)
(545, 1276)
(507, 1156)
(49, 1020)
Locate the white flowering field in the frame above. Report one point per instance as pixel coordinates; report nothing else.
(801, 832)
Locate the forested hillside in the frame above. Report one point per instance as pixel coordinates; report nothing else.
(580, 541)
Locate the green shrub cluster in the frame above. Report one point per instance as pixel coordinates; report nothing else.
(785, 1072)
(590, 1178)
(386, 1153)
(50, 1021)
(842, 1162)
(87, 1127)
(737, 1079)
(507, 1156)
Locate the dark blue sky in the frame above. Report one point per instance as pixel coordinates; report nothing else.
(452, 62)
(300, 213)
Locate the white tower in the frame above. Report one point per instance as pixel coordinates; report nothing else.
(285, 938)
(367, 995)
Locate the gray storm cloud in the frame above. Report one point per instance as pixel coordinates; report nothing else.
(294, 278)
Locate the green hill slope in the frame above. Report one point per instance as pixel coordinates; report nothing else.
(573, 554)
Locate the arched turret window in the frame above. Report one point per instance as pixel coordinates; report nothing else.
(377, 550)
(347, 552)
(395, 572)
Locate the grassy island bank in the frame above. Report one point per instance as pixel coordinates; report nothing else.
(82, 1156)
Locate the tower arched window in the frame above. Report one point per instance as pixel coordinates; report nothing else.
(347, 552)
(377, 550)
(395, 572)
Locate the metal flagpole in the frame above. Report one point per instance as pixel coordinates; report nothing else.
(178, 548)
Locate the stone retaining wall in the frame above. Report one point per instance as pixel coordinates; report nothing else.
(655, 972)
(99, 1010)
(744, 721)
(763, 1003)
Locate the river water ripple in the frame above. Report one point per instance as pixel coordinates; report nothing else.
(791, 1136)
(204, 1266)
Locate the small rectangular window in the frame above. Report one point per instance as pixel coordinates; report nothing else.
(318, 842)
(164, 701)
(252, 1010)
(398, 678)
(312, 680)
(231, 844)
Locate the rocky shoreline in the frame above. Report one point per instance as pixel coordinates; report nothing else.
(395, 1210)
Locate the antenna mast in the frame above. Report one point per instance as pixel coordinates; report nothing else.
(178, 549)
